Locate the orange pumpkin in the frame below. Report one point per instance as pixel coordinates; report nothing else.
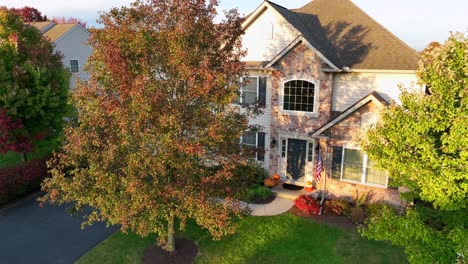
(276, 177)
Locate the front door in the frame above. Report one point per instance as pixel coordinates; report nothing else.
(296, 159)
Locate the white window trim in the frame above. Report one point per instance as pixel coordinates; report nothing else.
(241, 99)
(364, 168)
(309, 175)
(300, 113)
(256, 145)
(78, 61)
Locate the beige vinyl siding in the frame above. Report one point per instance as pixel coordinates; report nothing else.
(267, 36)
(264, 120)
(348, 88)
(73, 45)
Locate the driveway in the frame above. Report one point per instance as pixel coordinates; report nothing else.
(33, 234)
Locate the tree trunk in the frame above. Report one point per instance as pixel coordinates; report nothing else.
(23, 157)
(170, 246)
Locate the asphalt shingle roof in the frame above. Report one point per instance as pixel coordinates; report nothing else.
(349, 37)
(58, 30)
(40, 25)
(54, 32)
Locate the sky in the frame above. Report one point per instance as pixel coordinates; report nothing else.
(417, 22)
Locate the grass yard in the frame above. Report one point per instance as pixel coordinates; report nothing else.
(279, 239)
(42, 149)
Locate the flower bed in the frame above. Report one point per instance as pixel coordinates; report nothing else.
(21, 179)
(307, 204)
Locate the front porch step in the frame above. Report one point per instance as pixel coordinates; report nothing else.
(290, 194)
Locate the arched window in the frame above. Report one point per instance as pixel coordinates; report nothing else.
(299, 95)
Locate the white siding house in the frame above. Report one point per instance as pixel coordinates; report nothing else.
(71, 41)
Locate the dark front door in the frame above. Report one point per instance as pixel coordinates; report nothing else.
(296, 159)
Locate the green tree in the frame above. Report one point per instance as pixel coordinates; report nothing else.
(157, 139)
(33, 84)
(423, 143)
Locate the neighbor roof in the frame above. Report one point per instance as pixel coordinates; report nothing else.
(40, 25)
(53, 31)
(58, 31)
(349, 37)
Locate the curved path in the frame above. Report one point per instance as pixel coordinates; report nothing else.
(33, 234)
(278, 206)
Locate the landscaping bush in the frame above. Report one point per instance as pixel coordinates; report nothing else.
(251, 172)
(307, 204)
(256, 193)
(21, 179)
(338, 206)
(378, 209)
(358, 214)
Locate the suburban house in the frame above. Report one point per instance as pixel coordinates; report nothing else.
(323, 72)
(71, 41)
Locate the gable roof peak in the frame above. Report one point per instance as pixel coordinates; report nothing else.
(351, 38)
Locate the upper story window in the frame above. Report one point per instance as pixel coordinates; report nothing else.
(254, 91)
(249, 92)
(74, 66)
(300, 96)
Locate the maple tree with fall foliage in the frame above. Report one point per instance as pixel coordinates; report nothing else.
(33, 86)
(69, 20)
(157, 139)
(27, 13)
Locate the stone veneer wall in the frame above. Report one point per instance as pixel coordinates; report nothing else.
(348, 131)
(301, 63)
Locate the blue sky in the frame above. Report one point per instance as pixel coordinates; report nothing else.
(417, 22)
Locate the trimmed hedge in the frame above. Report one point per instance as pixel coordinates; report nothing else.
(21, 179)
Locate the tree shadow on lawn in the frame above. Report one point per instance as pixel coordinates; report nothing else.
(291, 239)
(285, 238)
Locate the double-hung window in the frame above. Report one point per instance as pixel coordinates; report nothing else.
(353, 165)
(74, 66)
(256, 142)
(253, 91)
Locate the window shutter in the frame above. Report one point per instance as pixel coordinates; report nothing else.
(262, 91)
(261, 146)
(336, 162)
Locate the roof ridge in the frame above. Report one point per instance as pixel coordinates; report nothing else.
(273, 3)
(413, 51)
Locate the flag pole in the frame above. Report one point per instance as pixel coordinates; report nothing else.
(324, 181)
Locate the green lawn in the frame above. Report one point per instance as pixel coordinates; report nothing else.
(280, 239)
(41, 149)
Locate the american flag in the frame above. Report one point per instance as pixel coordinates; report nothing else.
(319, 167)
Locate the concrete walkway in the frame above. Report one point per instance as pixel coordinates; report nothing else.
(278, 206)
(33, 234)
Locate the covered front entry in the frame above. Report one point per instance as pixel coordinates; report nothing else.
(296, 159)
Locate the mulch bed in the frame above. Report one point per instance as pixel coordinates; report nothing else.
(267, 200)
(185, 253)
(327, 218)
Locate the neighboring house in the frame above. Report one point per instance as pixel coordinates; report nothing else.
(71, 41)
(323, 72)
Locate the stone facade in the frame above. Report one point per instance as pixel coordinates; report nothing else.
(348, 132)
(300, 63)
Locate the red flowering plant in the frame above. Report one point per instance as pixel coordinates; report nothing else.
(21, 179)
(307, 204)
